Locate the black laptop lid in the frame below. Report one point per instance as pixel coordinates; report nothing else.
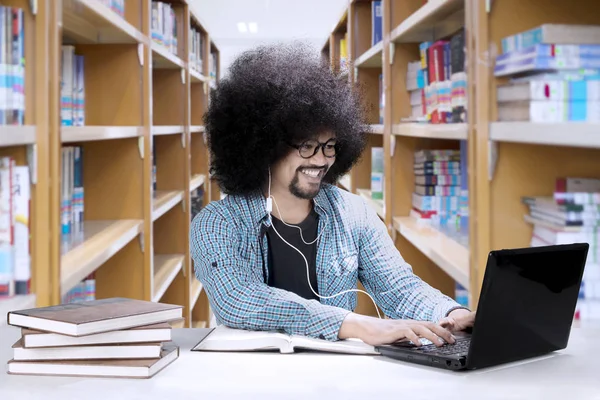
(527, 303)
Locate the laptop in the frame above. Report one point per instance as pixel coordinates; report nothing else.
(526, 309)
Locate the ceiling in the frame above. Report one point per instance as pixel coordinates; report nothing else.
(277, 20)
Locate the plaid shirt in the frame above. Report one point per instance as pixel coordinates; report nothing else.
(226, 249)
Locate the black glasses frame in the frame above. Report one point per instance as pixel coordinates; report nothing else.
(319, 145)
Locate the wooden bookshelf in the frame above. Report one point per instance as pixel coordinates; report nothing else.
(142, 112)
(505, 160)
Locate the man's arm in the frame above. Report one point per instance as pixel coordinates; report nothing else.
(237, 293)
(390, 279)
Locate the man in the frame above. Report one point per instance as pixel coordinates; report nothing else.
(285, 248)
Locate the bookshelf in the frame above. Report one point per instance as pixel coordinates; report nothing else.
(501, 161)
(113, 137)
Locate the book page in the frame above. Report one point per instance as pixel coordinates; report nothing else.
(223, 338)
(348, 346)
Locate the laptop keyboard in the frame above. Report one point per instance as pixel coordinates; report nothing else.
(459, 348)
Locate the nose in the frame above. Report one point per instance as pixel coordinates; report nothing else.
(319, 158)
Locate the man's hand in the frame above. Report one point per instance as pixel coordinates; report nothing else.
(458, 320)
(375, 331)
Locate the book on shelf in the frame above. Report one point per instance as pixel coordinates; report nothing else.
(15, 253)
(552, 34)
(344, 54)
(89, 317)
(197, 201)
(440, 79)
(110, 337)
(72, 197)
(571, 215)
(549, 111)
(377, 168)
(376, 22)
(12, 66)
(163, 26)
(117, 6)
(225, 339)
(72, 87)
(196, 49)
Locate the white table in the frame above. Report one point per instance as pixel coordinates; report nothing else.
(573, 373)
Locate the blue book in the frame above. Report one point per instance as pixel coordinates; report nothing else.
(376, 22)
(550, 50)
(540, 64)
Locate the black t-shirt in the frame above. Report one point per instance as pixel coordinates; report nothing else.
(287, 268)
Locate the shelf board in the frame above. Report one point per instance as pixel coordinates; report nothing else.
(162, 58)
(197, 181)
(12, 135)
(164, 200)
(90, 21)
(178, 324)
(434, 20)
(167, 129)
(195, 293)
(447, 253)
(376, 204)
(197, 128)
(568, 134)
(197, 76)
(18, 302)
(345, 181)
(99, 242)
(166, 268)
(371, 58)
(70, 134)
(199, 324)
(377, 129)
(432, 131)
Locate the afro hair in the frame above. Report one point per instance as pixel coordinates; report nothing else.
(274, 95)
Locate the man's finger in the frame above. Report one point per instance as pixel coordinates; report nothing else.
(443, 332)
(426, 333)
(412, 336)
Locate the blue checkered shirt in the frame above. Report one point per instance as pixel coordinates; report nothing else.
(354, 245)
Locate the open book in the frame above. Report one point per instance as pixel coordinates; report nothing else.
(223, 338)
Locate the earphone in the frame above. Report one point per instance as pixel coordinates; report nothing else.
(269, 208)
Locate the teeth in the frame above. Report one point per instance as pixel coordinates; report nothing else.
(311, 172)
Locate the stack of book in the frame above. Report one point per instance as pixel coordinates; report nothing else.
(555, 71)
(437, 83)
(572, 215)
(114, 337)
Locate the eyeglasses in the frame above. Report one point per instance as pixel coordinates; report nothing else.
(309, 148)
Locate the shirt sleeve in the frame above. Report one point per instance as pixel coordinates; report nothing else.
(237, 294)
(390, 279)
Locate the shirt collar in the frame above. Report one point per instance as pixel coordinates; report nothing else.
(258, 211)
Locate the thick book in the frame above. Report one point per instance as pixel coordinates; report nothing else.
(227, 339)
(142, 334)
(137, 368)
(96, 316)
(90, 352)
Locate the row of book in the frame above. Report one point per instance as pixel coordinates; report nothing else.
(196, 49)
(572, 215)
(213, 65)
(83, 291)
(117, 6)
(554, 72)
(72, 88)
(134, 339)
(163, 26)
(437, 83)
(15, 257)
(441, 195)
(72, 196)
(12, 66)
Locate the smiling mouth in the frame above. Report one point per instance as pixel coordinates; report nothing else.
(316, 173)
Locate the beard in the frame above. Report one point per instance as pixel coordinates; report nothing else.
(306, 193)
